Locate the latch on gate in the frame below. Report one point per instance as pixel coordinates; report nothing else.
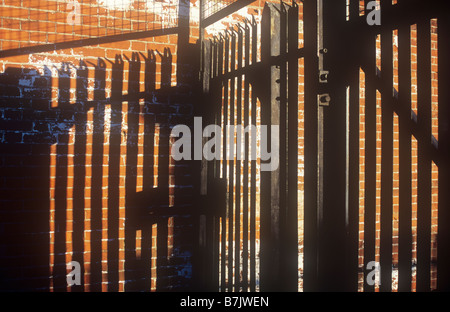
(324, 99)
(323, 76)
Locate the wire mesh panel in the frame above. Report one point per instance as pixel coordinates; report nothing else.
(214, 6)
(53, 21)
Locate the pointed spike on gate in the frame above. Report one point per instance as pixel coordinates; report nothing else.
(247, 22)
(275, 7)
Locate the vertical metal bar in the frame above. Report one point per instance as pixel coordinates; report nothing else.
(225, 251)
(333, 145)
(387, 155)
(366, 2)
(231, 165)
(424, 156)
(223, 243)
(215, 100)
(215, 247)
(205, 110)
(217, 96)
(444, 149)
(213, 58)
(354, 10)
(245, 219)
(283, 146)
(405, 208)
(265, 266)
(238, 192)
(207, 241)
(311, 90)
(253, 171)
(370, 157)
(353, 181)
(202, 17)
(291, 255)
(353, 152)
(270, 180)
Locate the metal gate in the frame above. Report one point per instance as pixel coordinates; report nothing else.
(258, 212)
(401, 66)
(250, 219)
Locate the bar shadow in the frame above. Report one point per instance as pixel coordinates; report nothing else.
(62, 201)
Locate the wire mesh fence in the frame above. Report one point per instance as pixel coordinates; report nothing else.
(214, 6)
(52, 21)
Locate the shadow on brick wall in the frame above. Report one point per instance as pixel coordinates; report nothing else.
(80, 180)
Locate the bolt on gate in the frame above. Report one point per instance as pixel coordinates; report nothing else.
(375, 115)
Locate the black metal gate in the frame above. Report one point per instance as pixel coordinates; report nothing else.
(402, 107)
(250, 217)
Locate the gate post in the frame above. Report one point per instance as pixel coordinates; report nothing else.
(332, 149)
(270, 180)
(326, 164)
